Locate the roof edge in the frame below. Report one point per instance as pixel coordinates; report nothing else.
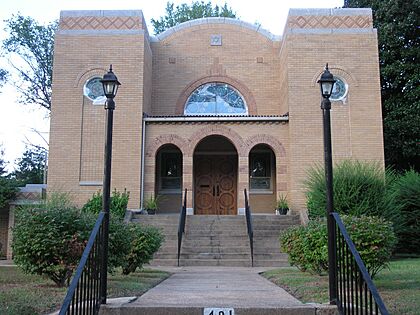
(215, 20)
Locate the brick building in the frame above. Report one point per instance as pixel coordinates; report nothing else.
(213, 105)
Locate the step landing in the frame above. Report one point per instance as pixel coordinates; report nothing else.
(191, 290)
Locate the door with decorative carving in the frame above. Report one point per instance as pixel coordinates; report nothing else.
(215, 184)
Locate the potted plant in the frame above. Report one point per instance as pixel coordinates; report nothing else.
(282, 207)
(151, 204)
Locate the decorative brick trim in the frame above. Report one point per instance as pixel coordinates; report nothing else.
(325, 21)
(218, 130)
(101, 23)
(223, 78)
(158, 142)
(269, 140)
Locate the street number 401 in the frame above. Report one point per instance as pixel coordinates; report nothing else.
(218, 311)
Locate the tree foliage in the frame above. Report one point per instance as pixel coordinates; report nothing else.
(3, 76)
(29, 47)
(8, 187)
(184, 12)
(2, 162)
(398, 23)
(30, 167)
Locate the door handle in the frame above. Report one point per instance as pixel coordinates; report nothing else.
(218, 191)
(214, 191)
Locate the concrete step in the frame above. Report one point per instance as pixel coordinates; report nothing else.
(220, 240)
(216, 262)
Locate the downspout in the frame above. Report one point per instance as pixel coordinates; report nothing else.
(143, 140)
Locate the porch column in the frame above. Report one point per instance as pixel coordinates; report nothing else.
(281, 177)
(150, 176)
(188, 181)
(243, 182)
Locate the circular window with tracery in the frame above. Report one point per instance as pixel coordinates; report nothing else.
(215, 98)
(94, 91)
(340, 89)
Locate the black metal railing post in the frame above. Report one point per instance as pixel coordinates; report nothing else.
(357, 293)
(83, 295)
(181, 225)
(249, 226)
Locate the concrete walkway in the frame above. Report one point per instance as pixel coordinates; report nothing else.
(191, 289)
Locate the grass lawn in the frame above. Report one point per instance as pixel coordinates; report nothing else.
(399, 285)
(22, 294)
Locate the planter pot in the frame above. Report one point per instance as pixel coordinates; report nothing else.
(282, 211)
(151, 211)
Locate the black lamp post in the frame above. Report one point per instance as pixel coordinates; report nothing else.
(326, 83)
(110, 84)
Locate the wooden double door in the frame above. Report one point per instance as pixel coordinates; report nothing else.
(215, 183)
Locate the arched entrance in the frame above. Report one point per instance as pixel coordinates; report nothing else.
(215, 176)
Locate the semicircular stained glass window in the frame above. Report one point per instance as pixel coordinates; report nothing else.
(215, 98)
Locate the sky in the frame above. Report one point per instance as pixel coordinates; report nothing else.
(17, 121)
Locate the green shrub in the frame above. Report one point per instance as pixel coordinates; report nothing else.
(359, 188)
(307, 246)
(405, 192)
(145, 241)
(119, 243)
(49, 240)
(117, 207)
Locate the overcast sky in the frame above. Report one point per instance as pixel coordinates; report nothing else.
(16, 120)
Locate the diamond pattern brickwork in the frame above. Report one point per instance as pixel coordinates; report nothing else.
(101, 23)
(337, 21)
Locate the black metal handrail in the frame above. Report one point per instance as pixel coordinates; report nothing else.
(83, 295)
(249, 226)
(181, 225)
(357, 293)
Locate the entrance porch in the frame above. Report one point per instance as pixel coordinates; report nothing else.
(215, 163)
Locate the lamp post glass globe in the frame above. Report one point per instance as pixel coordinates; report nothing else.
(110, 83)
(326, 83)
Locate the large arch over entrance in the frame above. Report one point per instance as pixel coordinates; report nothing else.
(215, 176)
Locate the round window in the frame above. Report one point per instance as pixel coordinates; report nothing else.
(339, 90)
(93, 89)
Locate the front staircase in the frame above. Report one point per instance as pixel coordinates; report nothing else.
(212, 240)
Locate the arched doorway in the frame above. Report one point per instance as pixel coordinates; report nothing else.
(168, 178)
(215, 176)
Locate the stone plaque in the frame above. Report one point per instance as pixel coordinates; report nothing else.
(216, 40)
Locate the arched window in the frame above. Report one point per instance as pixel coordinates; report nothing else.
(215, 98)
(169, 169)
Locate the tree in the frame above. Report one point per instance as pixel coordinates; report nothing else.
(2, 162)
(185, 12)
(8, 187)
(3, 76)
(398, 23)
(30, 167)
(29, 47)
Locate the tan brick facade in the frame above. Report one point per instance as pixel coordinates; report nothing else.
(276, 77)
